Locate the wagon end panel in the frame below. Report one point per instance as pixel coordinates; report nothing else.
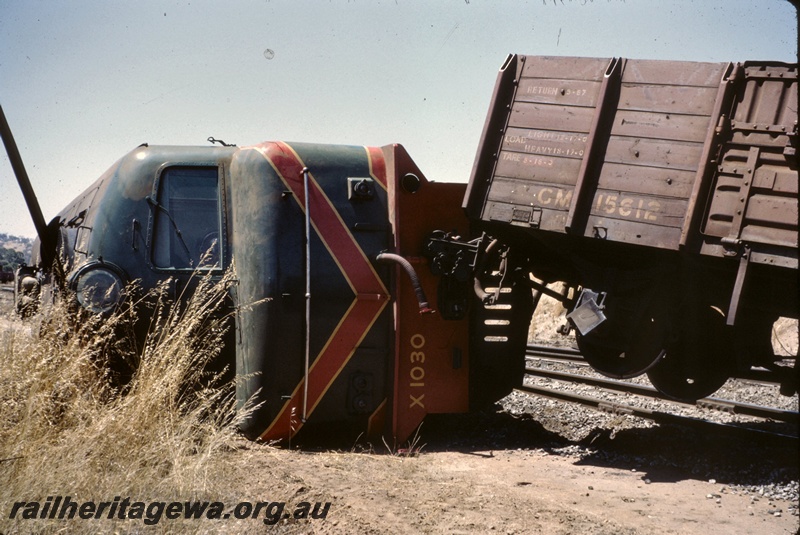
(536, 140)
(607, 149)
(753, 202)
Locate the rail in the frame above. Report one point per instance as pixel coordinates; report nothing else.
(572, 358)
(567, 354)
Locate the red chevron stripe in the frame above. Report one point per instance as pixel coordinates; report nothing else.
(326, 368)
(371, 295)
(377, 165)
(326, 220)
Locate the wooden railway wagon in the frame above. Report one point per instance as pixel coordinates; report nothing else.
(664, 194)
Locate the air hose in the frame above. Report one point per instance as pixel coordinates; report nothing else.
(386, 258)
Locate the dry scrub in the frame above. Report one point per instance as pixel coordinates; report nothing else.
(67, 428)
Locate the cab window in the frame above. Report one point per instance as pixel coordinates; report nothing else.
(186, 229)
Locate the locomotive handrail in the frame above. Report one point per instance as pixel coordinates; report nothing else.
(304, 173)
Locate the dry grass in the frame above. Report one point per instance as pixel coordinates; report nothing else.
(67, 430)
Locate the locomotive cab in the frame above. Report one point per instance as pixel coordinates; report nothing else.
(156, 214)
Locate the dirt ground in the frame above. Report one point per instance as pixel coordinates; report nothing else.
(498, 473)
(531, 482)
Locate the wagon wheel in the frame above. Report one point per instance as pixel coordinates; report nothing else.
(631, 340)
(610, 353)
(698, 362)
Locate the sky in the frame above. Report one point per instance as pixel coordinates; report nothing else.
(83, 82)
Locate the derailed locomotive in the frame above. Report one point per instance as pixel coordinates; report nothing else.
(332, 327)
(367, 297)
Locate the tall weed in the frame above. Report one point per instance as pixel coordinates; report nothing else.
(69, 428)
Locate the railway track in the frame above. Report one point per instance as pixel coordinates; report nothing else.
(561, 385)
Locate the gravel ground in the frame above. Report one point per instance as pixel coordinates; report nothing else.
(760, 469)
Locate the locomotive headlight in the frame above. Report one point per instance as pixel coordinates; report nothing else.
(98, 289)
(29, 285)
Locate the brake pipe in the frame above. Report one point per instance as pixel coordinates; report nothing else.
(385, 258)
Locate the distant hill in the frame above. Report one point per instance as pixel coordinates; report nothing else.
(14, 250)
